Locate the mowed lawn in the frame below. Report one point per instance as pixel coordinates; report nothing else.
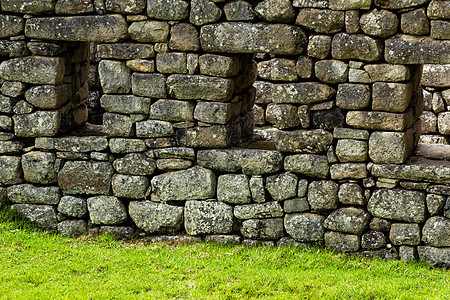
(41, 265)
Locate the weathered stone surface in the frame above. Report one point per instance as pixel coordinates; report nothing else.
(130, 187)
(39, 167)
(149, 31)
(349, 219)
(29, 194)
(263, 229)
(11, 170)
(71, 7)
(443, 123)
(373, 240)
(342, 241)
(125, 51)
(239, 11)
(184, 37)
(154, 128)
(390, 147)
(328, 118)
(256, 184)
(219, 65)
(200, 87)
(120, 232)
(406, 49)
(436, 75)
(436, 257)
(107, 28)
(379, 22)
(202, 217)
(196, 183)
(378, 224)
(115, 77)
(6, 123)
(172, 110)
(349, 133)
(399, 4)
(319, 46)
(296, 205)
(435, 203)
(304, 141)
(27, 6)
(40, 123)
(395, 204)
(311, 165)
(125, 7)
(278, 69)
(275, 11)
(301, 93)
(223, 239)
(348, 150)
(156, 217)
(135, 164)
(43, 215)
(175, 152)
(73, 143)
(387, 72)
(349, 4)
(258, 211)
(356, 46)
(351, 193)
(149, 85)
(305, 227)
(233, 188)
(141, 65)
(217, 112)
(352, 96)
(270, 38)
(173, 164)
(173, 62)
(127, 104)
(167, 9)
(323, 195)
(282, 186)
(357, 75)
(215, 136)
(331, 71)
(117, 125)
(438, 9)
(106, 210)
(13, 48)
(436, 232)
(405, 234)
(322, 21)
(10, 147)
(10, 26)
(84, 177)
(377, 120)
(415, 22)
(391, 97)
(33, 69)
(204, 12)
(48, 96)
(72, 206)
(283, 116)
(13, 88)
(72, 227)
(348, 171)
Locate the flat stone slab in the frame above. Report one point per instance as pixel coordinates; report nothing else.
(73, 143)
(416, 169)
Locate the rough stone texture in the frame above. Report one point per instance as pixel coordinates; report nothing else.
(283, 116)
(349, 219)
(30, 7)
(351, 193)
(156, 217)
(391, 97)
(43, 215)
(173, 62)
(435, 203)
(11, 170)
(301, 93)
(341, 241)
(275, 11)
(149, 85)
(305, 227)
(387, 72)
(348, 171)
(125, 51)
(195, 183)
(323, 195)
(415, 22)
(10, 26)
(399, 4)
(351, 150)
(436, 232)
(278, 69)
(39, 167)
(107, 28)
(390, 147)
(29, 194)
(352, 96)
(296, 205)
(311, 165)
(200, 87)
(436, 75)
(256, 184)
(125, 7)
(303, 141)
(349, 4)
(319, 46)
(84, 177)
(114, 77)
(348, 133)
(405, 234)
(72, 206)
(373, 240)
(202, 217)
(258, 211)
(127, 104)
(263, 229)
(167, 9)
(106, 210)
(216, 112)
(73, 143)
(172, 110)
(184, 37)
(438, 9)
(270, 38)
(239, 11)
(282, 186)
(40, 123)
(382, 23)
(149, 31)
(154, 128)
(356, 46)
(135, 164)
(233, 188)
(33, 69)
(48, 96)
(436, 257)
(322, 21)
(395, 204)
(72, 227)
(377, 120)
(130, 187)
(331, 71)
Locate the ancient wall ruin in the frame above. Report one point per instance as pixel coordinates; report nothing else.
(263, 122)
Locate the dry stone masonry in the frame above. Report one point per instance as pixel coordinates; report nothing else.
(271, 122)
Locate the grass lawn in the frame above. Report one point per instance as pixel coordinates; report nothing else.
(40, 265)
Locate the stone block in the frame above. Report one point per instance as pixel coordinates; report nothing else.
(172, 110)
(301, 93)
(353, 96)
(278, 69)
(215, 136)
(106, 28)
(400, 205)
(149, 85)
(39, 167)
(117, 125)
(156, 217)
(233, 188)
(184, 37)
(125, 7)
(387, 72)
(321, 20)
(436, 257)
(348, 150)
(438, 9)
(331, 71)
(415, 22)
(11, 26)
(282, 116)
(74, 207)
(282, 186)
(296, 205)
(377, 120)
(29, 194)
(141, 65)
(391, 147)
(258, 211)
(239, 11)
(167, 9)
(348, 171)
(204, 12)
(196, 183)
(125, 51)
(43, 215)
(149, 31)
(379, 22)
(304, 67)
(10, 147)
(435, 203)
(33, 69)
(323, 195)
(85, 177)
(405, 234)
(200, 87)
(319, 46)
(115, 77)
(71, 7)
(391, 97)
(436, 75)
(130, 187)
(373, 240)
(40, 123)
(154, 128)
(219, 65)
(263, 229)
(398, 4)
(216, 112)
(106, 210)
(352, 194)
(72, 228)
(269, 38)
(341, 241)
(428, 122)
(348, 219)
(349, 4)
(356, 46)
(203, 217)
(135, 164)
(28, 7)
(173, 62)
(436, 232)
(304, 227)
(49, 96)
(126, 104)
(311, 165)
(73, 143)
(303, 141)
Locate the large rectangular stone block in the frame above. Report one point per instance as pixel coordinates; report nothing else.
(391, 147)
(378, 120)
(40, 123)
(253, 38)
(106, 28)
(34, 69)
(200, 87)
(10, 26)
(28, 6)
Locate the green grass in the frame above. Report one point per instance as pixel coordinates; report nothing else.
(41, 265)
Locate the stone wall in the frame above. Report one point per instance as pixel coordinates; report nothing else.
(270, 122)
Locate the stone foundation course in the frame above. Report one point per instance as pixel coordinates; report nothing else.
(271, 122)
